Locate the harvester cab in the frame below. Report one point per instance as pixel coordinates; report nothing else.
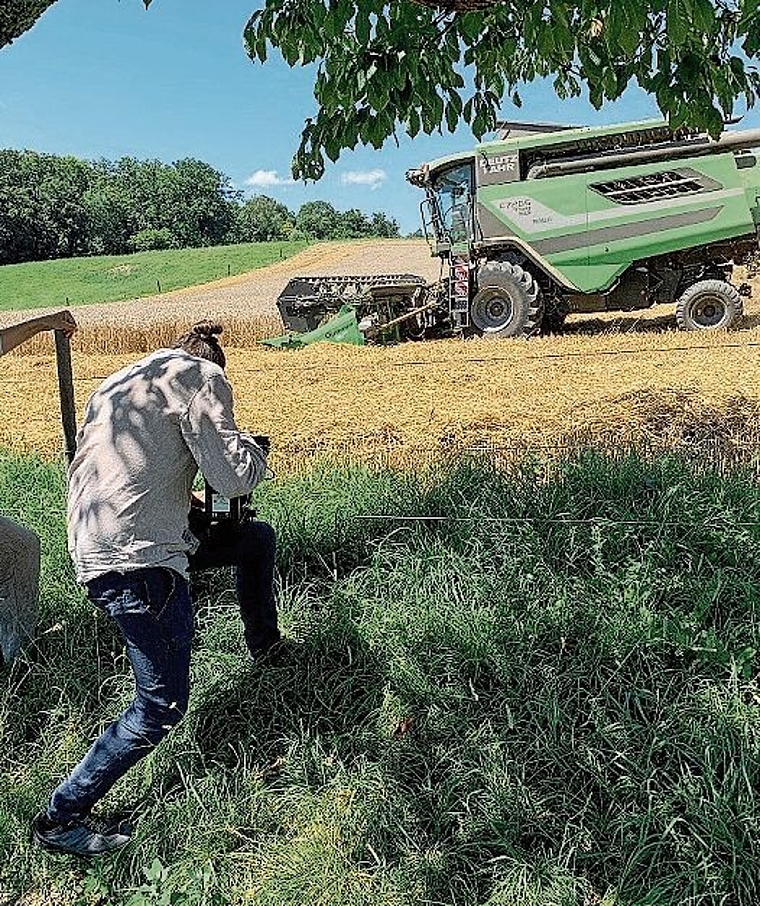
(448, 221)
(540, 224)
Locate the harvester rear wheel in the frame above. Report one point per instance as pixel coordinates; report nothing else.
(709, 305)
(508, 302)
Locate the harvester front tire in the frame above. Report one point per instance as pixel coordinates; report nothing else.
(709, 305)
(508, 302)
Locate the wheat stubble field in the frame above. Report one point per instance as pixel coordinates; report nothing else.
(609, 379)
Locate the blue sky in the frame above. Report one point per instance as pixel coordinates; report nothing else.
(106, 78)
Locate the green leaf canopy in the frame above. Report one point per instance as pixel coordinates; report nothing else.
(413, 66)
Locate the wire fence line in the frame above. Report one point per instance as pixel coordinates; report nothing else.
(720, 449)
(724, 451)
(706, 457)
(598, 353)
(599, 521)
(543, 470)
(541, 463)
(716, 445)
(718, 453)
(488, 360)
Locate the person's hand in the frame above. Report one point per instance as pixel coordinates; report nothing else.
(62, 320)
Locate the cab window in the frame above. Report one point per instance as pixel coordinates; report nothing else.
(453, 190)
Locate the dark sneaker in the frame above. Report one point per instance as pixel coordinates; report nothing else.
(85, 837)
(116, 823)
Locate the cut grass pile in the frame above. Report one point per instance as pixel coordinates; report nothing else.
(111, 278)
(549, 697)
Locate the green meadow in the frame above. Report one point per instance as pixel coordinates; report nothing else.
(112, 278)
(545, 696)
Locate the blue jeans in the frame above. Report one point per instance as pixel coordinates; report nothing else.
(249, 546)
(153, 612)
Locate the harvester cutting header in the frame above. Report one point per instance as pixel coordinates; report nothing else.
(540, 224)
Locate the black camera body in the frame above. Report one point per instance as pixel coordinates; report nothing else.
(217, 515)
(218, 508)
(220, 512)
(263, 441)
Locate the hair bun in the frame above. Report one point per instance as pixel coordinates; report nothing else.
(208, 330)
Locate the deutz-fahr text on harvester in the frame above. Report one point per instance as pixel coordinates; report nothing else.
(539, 224)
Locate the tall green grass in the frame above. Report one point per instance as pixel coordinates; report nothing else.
(111, 278)
(548, 697)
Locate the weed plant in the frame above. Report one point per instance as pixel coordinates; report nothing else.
(542, 694)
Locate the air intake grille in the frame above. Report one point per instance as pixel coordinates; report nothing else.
(653, 186)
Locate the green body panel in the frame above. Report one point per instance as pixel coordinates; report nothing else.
(603, 240)
(581, 235)
(725, 210)
(565, 203)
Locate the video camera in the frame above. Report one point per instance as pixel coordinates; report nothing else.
(218, 508)
(219, 512)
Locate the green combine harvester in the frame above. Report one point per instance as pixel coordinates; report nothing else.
(534, 226)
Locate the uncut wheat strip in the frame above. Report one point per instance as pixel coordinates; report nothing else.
(110, 337)
(255, 294)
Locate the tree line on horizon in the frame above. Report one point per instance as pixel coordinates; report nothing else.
(55, 206)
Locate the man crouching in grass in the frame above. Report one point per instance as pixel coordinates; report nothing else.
(146, 431)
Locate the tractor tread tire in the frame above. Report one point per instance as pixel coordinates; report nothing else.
(727, 292)
(506, 275)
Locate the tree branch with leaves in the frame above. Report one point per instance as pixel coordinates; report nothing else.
(382, 68)
(18, 16)
(420, 66)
